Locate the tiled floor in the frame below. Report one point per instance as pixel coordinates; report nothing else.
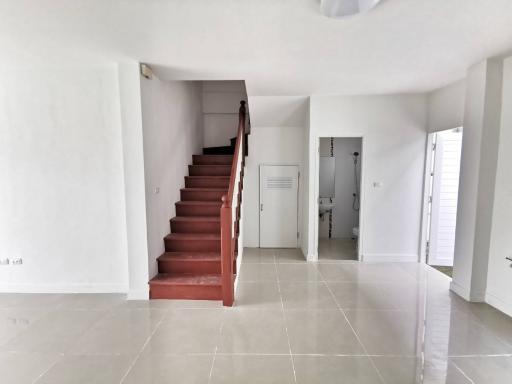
(333, 322)
(337, 249)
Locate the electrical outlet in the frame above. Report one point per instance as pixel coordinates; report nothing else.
(4, 261)
(17, 261)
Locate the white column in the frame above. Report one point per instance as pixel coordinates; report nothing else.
(477, 179)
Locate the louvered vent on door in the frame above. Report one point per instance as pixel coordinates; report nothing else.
(277, 182)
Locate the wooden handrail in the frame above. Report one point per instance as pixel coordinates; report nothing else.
(227, 240)
(239, 138)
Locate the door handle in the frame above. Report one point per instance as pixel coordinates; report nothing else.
(261, 207)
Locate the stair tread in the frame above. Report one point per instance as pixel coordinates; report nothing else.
(198, 202)
(220, 155)
(193, 236)
(186, 279)
(214, 219)
(204, 189)
(209, 177)
(211, 165)
(190, 256)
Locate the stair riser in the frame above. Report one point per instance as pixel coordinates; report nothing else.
(174, 245)
(219, 151)
(212, 160)
(202, 195)
(217, 170)
(185, 292)
(195, 227)
(198, 210)
(206, 183)
(206, 267)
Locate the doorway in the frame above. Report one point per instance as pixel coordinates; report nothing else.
(443, 186)
(339, 198)
(279, 189)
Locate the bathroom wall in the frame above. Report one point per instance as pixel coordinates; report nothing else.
(344, 218)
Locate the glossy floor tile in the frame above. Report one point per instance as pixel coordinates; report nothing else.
(335, 369)
(163, 369)
(87, 369)
(235, 369)
(254, 331)
(336, 321)
(21, 368)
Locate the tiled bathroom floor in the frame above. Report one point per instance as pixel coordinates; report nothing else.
(337, 249)
(331, 322)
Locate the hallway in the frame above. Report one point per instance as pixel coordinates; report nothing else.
(292, 322)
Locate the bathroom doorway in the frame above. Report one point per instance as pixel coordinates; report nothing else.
(339, 198)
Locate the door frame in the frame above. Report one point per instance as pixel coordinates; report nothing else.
(316, 177)
(427, 185)
(259, 197)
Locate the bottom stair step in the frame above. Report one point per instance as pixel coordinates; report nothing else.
(182, 286)
(207, 263)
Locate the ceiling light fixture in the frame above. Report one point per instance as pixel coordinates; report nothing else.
(343, 8)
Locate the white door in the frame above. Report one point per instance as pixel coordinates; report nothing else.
(278, 206)
(446, 170)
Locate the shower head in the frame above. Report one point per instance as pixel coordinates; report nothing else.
(355, 154)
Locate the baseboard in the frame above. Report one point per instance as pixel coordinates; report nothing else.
(389, 258)
(138, 294)
(499, 303)
(460, 290)
(63, 288)
(312, 257)
(466, 294)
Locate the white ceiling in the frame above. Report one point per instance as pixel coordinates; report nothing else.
(280, 47)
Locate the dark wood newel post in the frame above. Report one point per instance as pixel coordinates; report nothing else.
(225, 251)
(229, 228)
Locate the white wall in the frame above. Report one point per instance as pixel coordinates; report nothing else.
(344, 218)
(394, 136)
(277, 136)
(499, 280)
(62, 194)
(446, 107)
(221, 102)
(172, 126)
(477, 179)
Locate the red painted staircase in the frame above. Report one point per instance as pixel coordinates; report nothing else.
(190, 268)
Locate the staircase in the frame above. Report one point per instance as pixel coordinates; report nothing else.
(200, 255)
(190, 268)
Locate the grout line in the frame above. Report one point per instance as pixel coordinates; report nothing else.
(486, 356)
(143, 347)
(106, 313)
(217, 345)
(462, 372)
(381, 378)
(284, 320)
(61, 356)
